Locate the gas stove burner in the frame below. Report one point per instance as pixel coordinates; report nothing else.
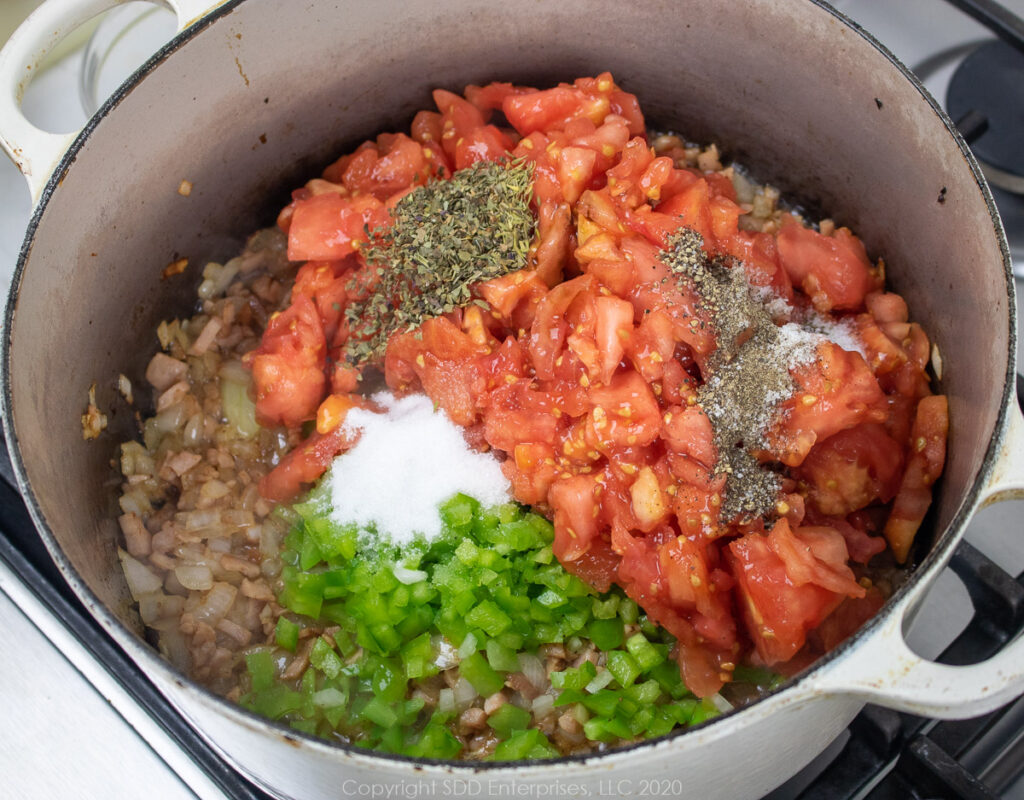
(986, 99)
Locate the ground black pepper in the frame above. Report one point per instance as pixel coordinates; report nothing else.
(747, 375)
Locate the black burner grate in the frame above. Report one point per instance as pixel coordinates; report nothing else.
(893, 756)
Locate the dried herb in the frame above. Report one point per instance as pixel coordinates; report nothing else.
(445, 237)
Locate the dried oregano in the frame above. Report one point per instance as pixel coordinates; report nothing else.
(444, 237)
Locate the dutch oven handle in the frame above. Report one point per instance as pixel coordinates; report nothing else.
(34, 151)
(883, 670)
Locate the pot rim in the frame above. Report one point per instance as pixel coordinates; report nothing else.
(145, 656)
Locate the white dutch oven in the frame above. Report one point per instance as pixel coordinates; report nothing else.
(256, 96)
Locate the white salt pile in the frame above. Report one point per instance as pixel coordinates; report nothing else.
(802, 331)
(407, 462)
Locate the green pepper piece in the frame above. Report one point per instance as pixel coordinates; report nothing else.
(478, 672)
(286, 634)
(622, 665)
(645, 653)
(260, 664)
(509, 718)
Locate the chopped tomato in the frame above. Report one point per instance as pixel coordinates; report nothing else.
(442, 359)
(288, 366)
(759, 255)
(394, 164)
(329, 227)
(834, 270)
(485, 143)
(326, 283)
(613, 330)
(852, 469)
(814, 555)
(624, 414)
(924, 465)
(777, 612)
(554, 242)
(835, 392)
(847, 618)
(857, 529)
(598, 566)
(305, 464)
(538, 111)
(514, 297)
(459, 118)
(686, 574)
(574, 500)
(492, 96)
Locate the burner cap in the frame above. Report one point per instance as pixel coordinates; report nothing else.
(989, 83)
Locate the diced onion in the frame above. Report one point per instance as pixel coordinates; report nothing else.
(937, 361)
(604, 677)
(447, 656)
(135, 501)
(219, 544)
(198, 520)
(196, 578)
(206, 337)
(151, 436)
(166, 623)
(191, 553)
(464, 693)
(157, 606)
(216, 604)
(329, 698)
(234, 370)
(237, 517)
(174, 648)
(135, 460)
(217, 278)
(213, 490)
(192, 436)
(720, 702)
(519, 701)
(238, 407)
(533, 669)
(138, 577)
(171, 418)
(268, 541)
(408, 576)
(543, 704)
(743, 186)
(446, 702)
(468, 646)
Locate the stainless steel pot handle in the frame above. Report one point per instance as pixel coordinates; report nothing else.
(884, 670)
(34, 151)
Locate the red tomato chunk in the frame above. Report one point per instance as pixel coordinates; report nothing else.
(582, 371)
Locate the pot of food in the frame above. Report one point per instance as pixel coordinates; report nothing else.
(199, 150)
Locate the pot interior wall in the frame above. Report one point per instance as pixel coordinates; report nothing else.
(252, 105)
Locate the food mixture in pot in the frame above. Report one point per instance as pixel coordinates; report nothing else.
(527, 433)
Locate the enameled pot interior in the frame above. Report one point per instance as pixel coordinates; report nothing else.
(250, 107)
